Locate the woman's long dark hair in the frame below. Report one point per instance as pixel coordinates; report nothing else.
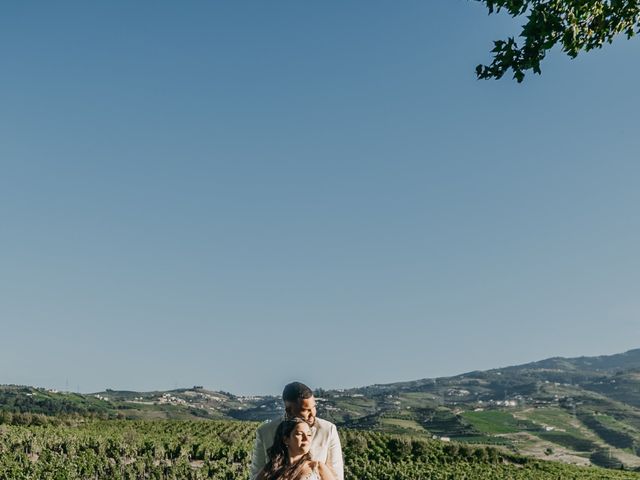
(278, 466)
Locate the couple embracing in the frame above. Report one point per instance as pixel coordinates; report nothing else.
(298, 446)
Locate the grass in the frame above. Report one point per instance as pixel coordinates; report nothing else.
(493, 421)
(403, 424)
(611, 422)
(557, 418)
(418, 399)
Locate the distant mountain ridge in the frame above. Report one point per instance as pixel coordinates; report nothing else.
(628, 360)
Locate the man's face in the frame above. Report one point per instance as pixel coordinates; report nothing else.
(305, 409)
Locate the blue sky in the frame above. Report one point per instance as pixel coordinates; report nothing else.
(239, 194)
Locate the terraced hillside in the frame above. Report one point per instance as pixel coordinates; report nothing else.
(580, 411)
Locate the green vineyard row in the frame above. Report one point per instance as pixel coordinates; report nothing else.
(192, 450)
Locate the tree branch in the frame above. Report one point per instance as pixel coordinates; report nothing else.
(577, 25)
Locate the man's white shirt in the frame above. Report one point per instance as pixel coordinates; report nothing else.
(325, 446)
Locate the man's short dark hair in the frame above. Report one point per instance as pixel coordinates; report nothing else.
(295, 392)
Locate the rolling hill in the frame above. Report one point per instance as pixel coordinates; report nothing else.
(577, 410)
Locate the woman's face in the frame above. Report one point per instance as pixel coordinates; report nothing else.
(299, 440)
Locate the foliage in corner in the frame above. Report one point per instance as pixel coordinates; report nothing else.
(574, 24)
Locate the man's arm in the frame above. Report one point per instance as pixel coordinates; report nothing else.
(334, 456)
(258, 458)
(325, 472)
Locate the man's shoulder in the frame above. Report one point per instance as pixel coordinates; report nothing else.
(270, 425)
(322, 424)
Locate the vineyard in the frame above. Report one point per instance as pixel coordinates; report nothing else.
(127, 450)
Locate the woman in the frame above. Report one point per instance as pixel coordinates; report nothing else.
(289, 457)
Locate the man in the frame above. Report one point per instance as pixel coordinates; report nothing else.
(325, 444)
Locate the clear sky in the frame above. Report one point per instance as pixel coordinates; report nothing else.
(237, 194)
